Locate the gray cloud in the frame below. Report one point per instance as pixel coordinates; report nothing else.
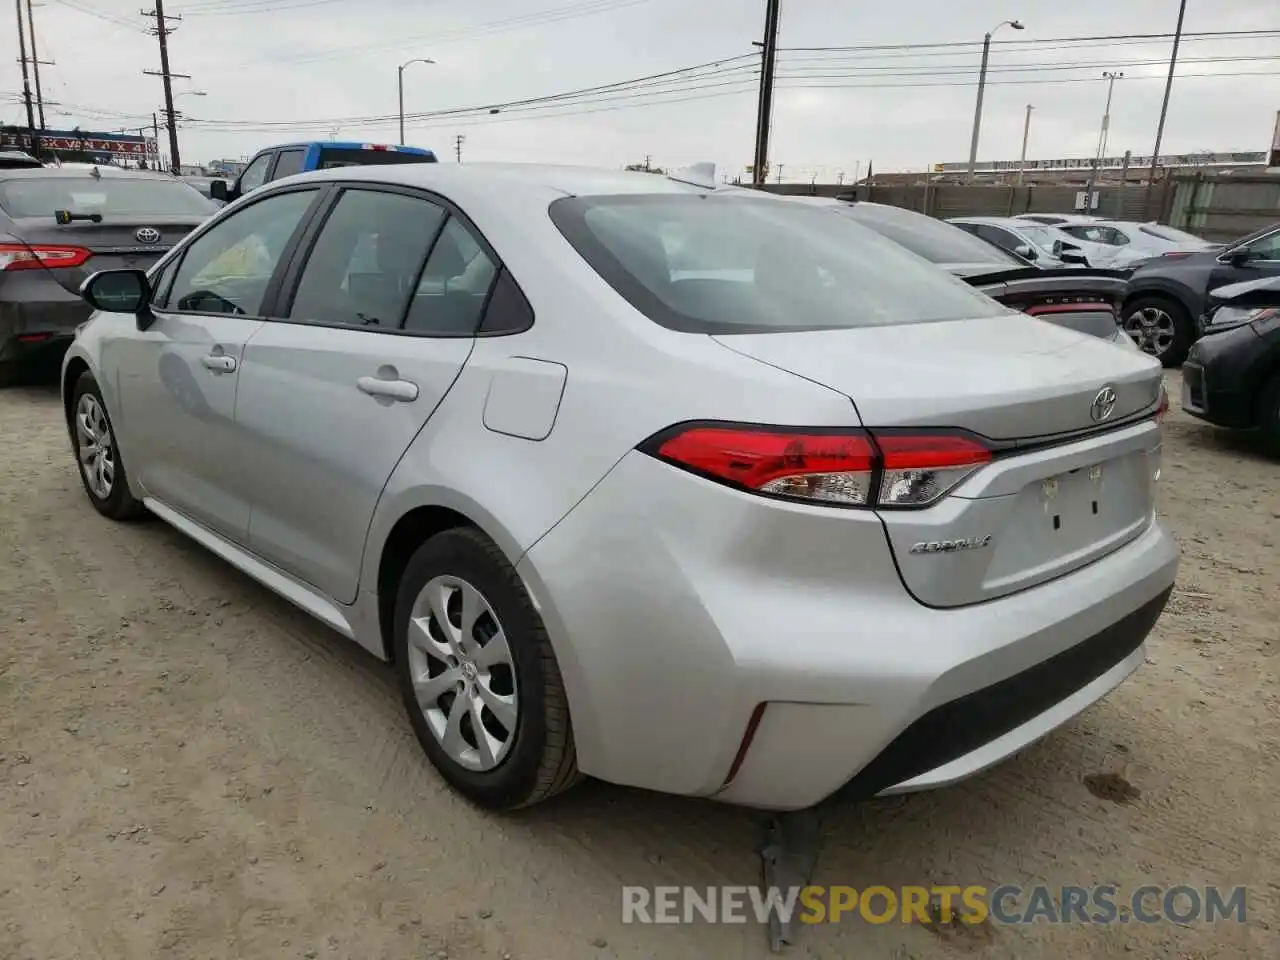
(266, 61)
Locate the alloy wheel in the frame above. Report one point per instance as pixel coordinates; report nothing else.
(462, 673)
(1152, 329)
(95, 447)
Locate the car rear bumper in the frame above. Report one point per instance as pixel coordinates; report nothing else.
(678, 607)
(33, 330)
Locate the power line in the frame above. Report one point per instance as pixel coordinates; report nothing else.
(652, 99)
(1123, 37)
(583, 8)
(99, 14)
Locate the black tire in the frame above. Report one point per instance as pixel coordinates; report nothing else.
(119, 504)
(541, 761)
(1269, 415)
(1183, 328)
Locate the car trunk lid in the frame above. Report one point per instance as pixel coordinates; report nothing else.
(1064, 488)
(114, 243)
(1087, 301)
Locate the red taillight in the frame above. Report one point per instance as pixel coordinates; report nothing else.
(22, 256)
(376, 146)
(898, 468)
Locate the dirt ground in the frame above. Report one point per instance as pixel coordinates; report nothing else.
(191, 768)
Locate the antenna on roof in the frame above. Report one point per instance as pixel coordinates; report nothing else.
(696, 174)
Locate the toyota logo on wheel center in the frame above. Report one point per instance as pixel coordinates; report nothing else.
(147, 235)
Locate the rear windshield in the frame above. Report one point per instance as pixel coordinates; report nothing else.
(110, 196)
(705, 264)
(926, 237)
(346, 157)
(1168, 233)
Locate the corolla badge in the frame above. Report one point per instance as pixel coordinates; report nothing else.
(147, 235)
(951, 546)
(1104, 404)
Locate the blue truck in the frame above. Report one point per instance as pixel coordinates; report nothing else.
(290, 158)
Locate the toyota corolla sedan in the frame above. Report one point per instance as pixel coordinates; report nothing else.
(633, 480)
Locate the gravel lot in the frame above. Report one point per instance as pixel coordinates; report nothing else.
(191, 768)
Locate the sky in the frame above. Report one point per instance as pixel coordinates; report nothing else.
(273, 71)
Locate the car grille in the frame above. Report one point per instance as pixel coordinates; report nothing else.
(965, 724)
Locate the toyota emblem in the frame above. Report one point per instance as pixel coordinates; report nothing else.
(1104, 404)
(147, 235)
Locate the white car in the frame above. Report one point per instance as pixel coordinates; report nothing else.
(710, 495)
(1120, 242)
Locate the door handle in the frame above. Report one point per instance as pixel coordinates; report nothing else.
(219, 363)
(405, 391)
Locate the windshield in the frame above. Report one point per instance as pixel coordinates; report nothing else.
(719, 265)
(347, 157)
(926, 237)
(1042, 237)
(111, 197)
(1168, 233)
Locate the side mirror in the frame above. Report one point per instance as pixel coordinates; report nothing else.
(1072, 255)
(120, 291)
(1237, 257)
(220, 190)
(1027, 251)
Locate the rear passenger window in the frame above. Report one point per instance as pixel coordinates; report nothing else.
(454, 287)
(508, 311)
(363, 266)
(290, 162)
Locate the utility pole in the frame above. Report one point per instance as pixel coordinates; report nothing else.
(26, 83)
(982, 85)
(457, 146)
(35, 64)
(764, 112)
(648, 159)
(162, 30)
(1111, 76)
(1164, 107)
(780, 172)
(1026, 132)
(155, 138)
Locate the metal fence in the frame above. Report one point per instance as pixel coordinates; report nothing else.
(1216, 208)
(1224, 208)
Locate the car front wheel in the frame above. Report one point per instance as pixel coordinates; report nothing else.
(478, 676)
(1161, 327)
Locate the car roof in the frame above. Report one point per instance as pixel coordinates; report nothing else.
(458, 179)
(1001, 221)
(343, 145)
(79, 172)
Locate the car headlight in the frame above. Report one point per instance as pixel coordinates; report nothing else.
(1265, 320)
(1228, 318)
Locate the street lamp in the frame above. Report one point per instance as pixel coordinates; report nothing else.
(1111, 76)
(400, 87)
(1026, 132)
(982, 83)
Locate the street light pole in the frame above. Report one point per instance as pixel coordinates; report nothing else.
(982, 83)
(1026, 131)
(400, 88)
(1111, 76)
